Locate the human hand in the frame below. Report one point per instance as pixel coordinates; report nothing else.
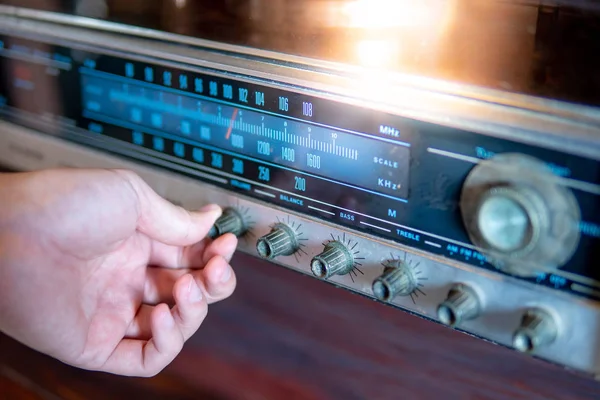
(100, 272)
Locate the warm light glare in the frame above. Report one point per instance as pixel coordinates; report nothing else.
(397, 31)
(377, 53)
(393, 13)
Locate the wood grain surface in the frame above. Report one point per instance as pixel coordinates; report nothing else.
(283, 335)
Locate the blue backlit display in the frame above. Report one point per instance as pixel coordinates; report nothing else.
(377, 165)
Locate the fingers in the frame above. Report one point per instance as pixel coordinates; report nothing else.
(140, 327)
(196, 256)
(165, 222)
(160, 281)
(217, 281)
(191, 306)
(169, 329)
(224, 246)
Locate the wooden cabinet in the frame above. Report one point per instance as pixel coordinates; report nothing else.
(283, 335)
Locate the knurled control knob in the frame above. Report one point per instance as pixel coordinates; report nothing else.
(537, 329)
(398, 279)
(335, 259)
(230, 221)
(461, 304)
(520, 215)
(281, 241)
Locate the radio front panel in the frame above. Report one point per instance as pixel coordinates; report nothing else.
(469, 227)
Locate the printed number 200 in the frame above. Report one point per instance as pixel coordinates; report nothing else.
(300, 184)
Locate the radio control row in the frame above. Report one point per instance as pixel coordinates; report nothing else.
(528, 317)
(537, 327)
(512, 208)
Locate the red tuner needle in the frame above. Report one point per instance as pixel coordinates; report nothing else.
(233, 116)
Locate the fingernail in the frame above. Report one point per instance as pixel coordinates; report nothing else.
(226, 274)
(194, 291)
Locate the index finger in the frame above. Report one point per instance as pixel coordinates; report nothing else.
(165, 222)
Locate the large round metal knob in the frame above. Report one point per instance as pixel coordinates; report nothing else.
(520, 215)
(505, 219)
(281, 241)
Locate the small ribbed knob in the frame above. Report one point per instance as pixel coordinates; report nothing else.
(335, 259)
(537, 329)
(461, 304)
(281, 241)
(397, 279)
(230, 221)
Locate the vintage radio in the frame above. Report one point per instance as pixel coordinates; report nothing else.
(422, 154)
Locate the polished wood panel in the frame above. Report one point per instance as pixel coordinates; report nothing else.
(283, 335)
(12, 389)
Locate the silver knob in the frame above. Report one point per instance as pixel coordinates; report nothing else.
(230, 221)
(517, 211)
(461, 304)
(281, 241)
(537, 329)
(335, 259)
(397, 279)
(508, 219)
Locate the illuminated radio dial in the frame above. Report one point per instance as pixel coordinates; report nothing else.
(519, 215)
(230, 221)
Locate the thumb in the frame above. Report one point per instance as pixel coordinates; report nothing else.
(167, 223)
